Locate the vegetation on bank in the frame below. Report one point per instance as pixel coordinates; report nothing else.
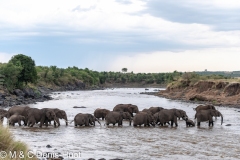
(21, 71)
(14, 149)
(190, 78)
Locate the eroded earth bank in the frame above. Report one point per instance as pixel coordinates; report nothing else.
(212, 92)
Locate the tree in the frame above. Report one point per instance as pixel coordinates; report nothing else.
(28, 72)
(124, 69)
(11, 73)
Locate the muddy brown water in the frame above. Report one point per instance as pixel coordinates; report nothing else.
(128, 142)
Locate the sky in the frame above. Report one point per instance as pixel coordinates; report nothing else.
(108, 35)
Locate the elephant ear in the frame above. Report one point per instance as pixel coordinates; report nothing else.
(178, 113)
(48, 114)
(129, 109)
(60, 114)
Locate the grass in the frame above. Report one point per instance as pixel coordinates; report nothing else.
(10, 145)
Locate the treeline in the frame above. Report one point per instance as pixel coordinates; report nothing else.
(223, 73)
(21, 71)
(61, 77)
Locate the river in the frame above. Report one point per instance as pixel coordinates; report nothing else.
(128, 142)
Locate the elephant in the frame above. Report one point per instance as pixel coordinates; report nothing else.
(85, 119)
(153, 110)
(183, 114)
(3, 113)
(126, 108)
(144, 118)
(117, 117)
(44, 115)
(204, 107)
(16, 118)
(167, 115)
(206, 115)
(101, 113)
(60, 114)
(189, 123)
(157, 120)
(19, 110)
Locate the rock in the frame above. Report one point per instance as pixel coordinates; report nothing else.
(18, 92)
(228, 125)
(48, 146)
(29, 92)
(79, 107)
(198, 98)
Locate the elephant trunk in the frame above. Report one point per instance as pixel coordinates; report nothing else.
(56, 121)
(130, 121)
(221, 118)
(97, 121)
(66, 120)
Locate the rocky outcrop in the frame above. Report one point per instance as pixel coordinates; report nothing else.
(39, 94)
(214, 92)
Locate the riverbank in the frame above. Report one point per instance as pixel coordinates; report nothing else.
(42, 93)
(217, 93)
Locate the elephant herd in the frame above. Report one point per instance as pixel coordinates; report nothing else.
(32, 116)
(147, 117)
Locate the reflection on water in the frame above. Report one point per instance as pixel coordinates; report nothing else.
(127, 142)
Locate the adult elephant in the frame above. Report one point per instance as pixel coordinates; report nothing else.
(167, 115)
(44, 115)
(85, 119)
(143, 118)
(206, 115)
(153, 110)
(3, 113)
(19, 110)
(16, 119)
(204, 107)
(126, 108)
(117, 117)
(101, 113)
(60, 114)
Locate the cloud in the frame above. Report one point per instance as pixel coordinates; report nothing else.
(215, 59)
(221, 15)
(5, 57)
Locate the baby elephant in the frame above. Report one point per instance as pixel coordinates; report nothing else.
(189, 123)
(16, 118)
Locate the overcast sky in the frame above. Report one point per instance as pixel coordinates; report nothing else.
(107, 35)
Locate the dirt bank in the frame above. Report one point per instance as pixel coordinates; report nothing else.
(213, 92)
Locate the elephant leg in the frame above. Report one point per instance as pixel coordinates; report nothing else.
(171, 123)
(58, 122)
(120, 123)
(25, 122)
(198, 123)
(19, 122)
